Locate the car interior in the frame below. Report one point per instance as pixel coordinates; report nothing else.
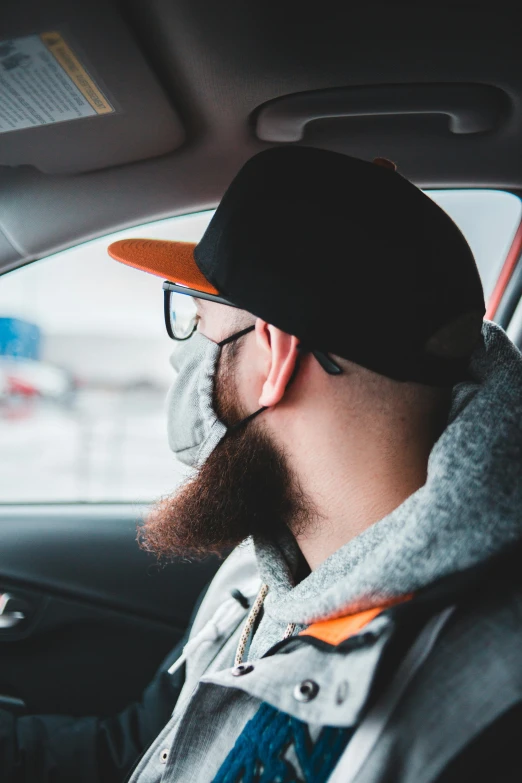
(172, 97)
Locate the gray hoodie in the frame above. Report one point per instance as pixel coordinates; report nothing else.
(469, 509)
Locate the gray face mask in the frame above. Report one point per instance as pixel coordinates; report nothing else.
(193, 427)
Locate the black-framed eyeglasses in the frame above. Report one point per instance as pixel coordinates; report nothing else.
(181, 319)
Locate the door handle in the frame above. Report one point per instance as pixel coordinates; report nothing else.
(10, 616)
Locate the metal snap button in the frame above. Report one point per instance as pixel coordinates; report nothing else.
(243, 668)
(306, 690)
(164, 755)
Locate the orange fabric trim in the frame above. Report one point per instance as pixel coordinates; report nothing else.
(336, 631)
(174, 261)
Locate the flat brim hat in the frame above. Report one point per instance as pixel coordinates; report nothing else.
(173, 261)
(345, 254)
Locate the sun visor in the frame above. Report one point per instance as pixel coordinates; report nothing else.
(76, 93)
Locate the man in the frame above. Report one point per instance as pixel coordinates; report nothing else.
(356, 429)
(316, 410)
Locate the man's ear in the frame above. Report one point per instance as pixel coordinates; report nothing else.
(280, 354)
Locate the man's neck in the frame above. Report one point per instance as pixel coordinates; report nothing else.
(352, 491)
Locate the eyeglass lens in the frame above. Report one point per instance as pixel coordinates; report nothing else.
(183, 315)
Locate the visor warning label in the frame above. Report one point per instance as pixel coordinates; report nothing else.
(42, 82)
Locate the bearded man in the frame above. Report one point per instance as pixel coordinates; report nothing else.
(355, 430)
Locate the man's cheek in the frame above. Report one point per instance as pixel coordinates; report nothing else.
(249, 382)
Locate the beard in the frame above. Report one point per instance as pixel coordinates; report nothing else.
(244, 489)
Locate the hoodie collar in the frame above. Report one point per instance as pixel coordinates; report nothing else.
(467, 511)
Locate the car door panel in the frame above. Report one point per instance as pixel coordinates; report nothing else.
(99, 614)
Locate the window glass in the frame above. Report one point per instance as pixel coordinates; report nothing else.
(84, 370)
(489, 220)
(84, 361)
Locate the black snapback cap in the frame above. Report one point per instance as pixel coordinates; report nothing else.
(345, 254)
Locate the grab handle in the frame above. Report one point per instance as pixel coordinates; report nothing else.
(470, 108)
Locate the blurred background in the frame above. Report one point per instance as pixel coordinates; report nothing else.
(84, 361)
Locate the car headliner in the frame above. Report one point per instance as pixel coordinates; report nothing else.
(214, 65)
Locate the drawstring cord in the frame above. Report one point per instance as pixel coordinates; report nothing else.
(250, 622)
(214, 630)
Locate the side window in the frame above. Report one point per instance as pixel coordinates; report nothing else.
(489, 220)
(84, 370)
(84, 361)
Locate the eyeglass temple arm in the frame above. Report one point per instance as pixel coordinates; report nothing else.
(324, 360)
(328, 365)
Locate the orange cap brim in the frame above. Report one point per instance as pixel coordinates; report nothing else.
(174, 261)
